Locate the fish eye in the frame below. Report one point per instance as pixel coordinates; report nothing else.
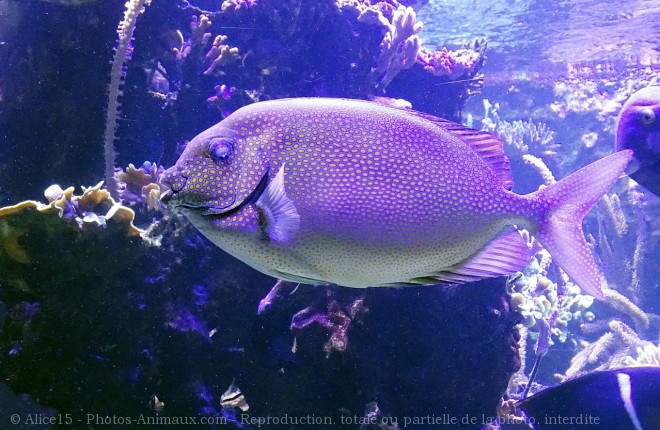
(220, 149)
(648, 116)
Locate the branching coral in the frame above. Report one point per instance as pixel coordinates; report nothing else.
(220, 54)
(621, 235)
(648, 354)
(610, 351)
(528, 140)
(622, 304)
(217, 56)
(539, 165)
(400, 46)
(525, 137)
(587, 90)
(335, 319)
(117, 74)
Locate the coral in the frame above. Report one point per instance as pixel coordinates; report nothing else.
(549, 311)
(594, 90)
(198, 34)
(647, 354)
(237, 5)
(526, 137)
(400, 45)
(93, 208)
(589, 139)
(73, 279)
(539, 165)
(622, 304)
(618, 219)
(335, 319)
(220, 54)
(222, 94)
(624, 232)
(454, 64)
(117, 75)
(610, 351)
(140, 184)
(533, 142)
(378, 13)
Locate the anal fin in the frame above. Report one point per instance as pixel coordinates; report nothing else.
(505, 255)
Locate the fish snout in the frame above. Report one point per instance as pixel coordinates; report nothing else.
(173, 179)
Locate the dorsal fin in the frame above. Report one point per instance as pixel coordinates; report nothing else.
(488, 145)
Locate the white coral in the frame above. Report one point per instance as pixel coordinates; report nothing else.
(400, 45)
(648, 354)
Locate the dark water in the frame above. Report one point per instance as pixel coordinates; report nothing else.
(101, 329)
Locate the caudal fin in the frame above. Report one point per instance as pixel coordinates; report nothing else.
(568, 201)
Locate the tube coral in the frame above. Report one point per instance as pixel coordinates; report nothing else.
(117, 75)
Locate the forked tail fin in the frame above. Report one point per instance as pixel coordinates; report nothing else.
(567, 202)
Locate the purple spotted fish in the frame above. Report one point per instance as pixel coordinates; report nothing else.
(639, 129)
(359, 194)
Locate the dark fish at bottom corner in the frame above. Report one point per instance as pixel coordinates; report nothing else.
(621, 399)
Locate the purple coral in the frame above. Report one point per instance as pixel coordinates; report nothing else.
(452, 64)
(335, 319)
(237, 5)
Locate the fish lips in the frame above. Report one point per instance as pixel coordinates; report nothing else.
(173, 200)
(169, 197)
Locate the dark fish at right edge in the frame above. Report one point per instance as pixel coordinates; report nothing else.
(621, 399)
(639, 129)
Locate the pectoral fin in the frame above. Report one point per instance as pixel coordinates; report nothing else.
(278, 215)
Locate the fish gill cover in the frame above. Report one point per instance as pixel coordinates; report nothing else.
(109, 322)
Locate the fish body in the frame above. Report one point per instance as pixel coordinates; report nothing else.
(360, 194)
(638, 128)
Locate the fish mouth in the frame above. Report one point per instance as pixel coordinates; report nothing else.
(169, 198)
(208, 209)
